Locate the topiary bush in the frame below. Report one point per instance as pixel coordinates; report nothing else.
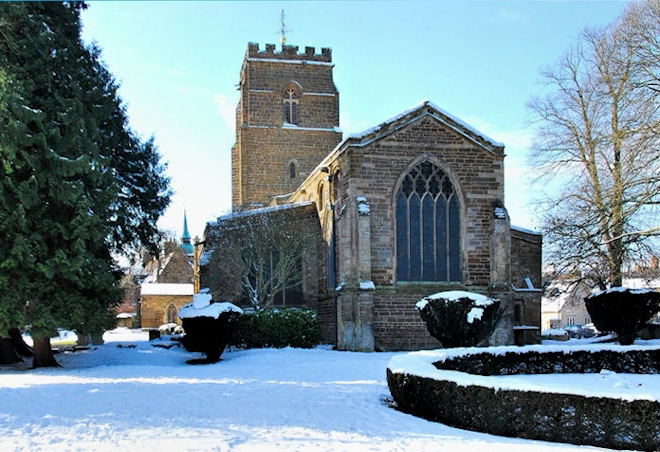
(459, 319)
(623, 311)
(289, 327)
(208, 326)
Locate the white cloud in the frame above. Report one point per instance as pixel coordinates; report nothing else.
(226, 109)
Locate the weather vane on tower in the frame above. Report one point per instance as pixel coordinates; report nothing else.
(283, 29)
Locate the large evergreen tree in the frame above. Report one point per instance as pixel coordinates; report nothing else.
(76, 183)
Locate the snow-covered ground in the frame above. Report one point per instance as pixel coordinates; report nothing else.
(128, 395)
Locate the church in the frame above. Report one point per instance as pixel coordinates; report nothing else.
(410, 207)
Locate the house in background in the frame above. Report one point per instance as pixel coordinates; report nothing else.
(160, 303)
(410, 207)
(168, 283)
(563, 305)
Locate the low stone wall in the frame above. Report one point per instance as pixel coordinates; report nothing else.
(430, 392)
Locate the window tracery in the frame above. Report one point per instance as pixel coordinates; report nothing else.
(428, 225)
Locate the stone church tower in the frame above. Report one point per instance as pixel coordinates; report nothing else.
(287, 121)
(410, 207)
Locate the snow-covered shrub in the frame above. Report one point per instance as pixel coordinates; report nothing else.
(208, 326)
(283, 327)
(454, 387)
(459, 319)
(169, 329)
(623, 311)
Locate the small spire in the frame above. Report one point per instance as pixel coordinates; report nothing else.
(185, 237)
(186, 234)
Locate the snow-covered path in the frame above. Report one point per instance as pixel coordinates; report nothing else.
(147, 398)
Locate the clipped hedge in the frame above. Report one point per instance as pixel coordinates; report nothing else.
(278, 328)
(623, 311)
(577, 361)
(567, 418)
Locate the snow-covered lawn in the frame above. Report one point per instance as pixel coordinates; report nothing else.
(128, 395)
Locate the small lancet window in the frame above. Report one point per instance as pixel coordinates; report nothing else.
(292, 170)
(290, 106)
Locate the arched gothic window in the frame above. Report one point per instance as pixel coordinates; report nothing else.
(428, 225)
(290, 106)
(292, 170)
(172, 313)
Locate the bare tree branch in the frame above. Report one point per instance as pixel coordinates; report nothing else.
(598, 130)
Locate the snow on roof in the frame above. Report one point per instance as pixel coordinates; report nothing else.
(259, 211)
(126, 315)
(558, 293)
(166, 289)
(641, 283)
(526, 231)
(455, 119)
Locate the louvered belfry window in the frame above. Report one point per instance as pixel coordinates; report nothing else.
(428, 225)
(291, 106)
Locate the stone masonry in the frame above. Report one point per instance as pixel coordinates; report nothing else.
(267, 146)
(354, 185)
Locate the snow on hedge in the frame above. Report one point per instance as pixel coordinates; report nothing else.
(620, 289)
(202, 306)
(603, 384)
(455, 295)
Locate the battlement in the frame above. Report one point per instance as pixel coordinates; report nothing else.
(289, 53)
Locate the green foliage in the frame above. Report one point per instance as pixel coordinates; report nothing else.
(291, 327)
(76, 184)
(624, 312)
(451, 322)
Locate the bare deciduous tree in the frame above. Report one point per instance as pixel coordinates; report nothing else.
(259, 254)
(597, 136)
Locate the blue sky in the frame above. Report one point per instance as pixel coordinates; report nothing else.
(178, 64)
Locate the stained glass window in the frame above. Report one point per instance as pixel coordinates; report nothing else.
(428, 225)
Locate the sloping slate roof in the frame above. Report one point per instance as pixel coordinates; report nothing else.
(423, 109)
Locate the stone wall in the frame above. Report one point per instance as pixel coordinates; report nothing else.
(154, 308)
(265, 145)
(398, 325)
(525, 258)
(373, 171)
(267, 152)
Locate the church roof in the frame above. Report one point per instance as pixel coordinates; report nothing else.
(425, 108)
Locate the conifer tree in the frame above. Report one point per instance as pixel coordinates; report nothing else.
(76, 183)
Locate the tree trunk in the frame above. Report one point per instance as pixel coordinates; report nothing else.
(97, 338)
(83, 339)
(7, 353)
(43, 353)
(19, 344)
